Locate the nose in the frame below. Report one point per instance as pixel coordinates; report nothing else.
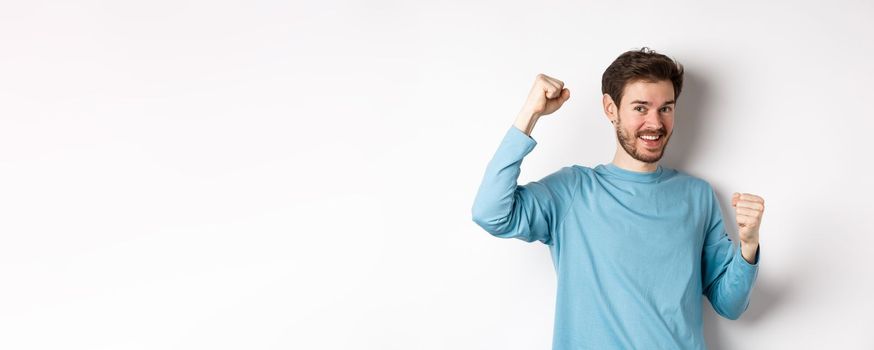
(653, 120)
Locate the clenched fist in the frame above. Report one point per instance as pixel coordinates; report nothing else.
(748, 209)
(546, 96)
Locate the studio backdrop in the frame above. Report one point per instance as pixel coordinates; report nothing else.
(300, 175)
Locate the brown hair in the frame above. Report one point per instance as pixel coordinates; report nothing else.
(644, 64)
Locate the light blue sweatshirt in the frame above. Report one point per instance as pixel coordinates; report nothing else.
(633, 251)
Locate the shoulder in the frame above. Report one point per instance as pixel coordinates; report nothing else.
(700, 189)
(694, 183)
(581, 170)
(691, 179)
(566, 175)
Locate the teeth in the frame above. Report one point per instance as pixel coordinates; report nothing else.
(650, 137)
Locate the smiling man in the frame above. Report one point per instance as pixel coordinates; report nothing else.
(635, 245)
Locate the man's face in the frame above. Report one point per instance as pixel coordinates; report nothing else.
(645, 120)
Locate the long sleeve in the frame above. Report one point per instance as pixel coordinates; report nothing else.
(530, 212)
(727, 278)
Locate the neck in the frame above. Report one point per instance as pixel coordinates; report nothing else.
(623, 160)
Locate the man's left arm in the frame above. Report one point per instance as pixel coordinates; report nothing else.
(748, 214)
(728, 271)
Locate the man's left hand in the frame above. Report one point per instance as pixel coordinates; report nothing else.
(748, 209)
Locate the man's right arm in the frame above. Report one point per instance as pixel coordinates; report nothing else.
(507, 210)
(525, 122)
(527, 212)
(547, 95)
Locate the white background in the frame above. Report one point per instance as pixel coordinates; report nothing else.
(274, 175)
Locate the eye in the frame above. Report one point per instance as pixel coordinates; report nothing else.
(638, 108)
(666, 109)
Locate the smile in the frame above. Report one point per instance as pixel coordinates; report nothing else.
(651, 141)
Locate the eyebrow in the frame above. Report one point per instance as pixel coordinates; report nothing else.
(647, 102)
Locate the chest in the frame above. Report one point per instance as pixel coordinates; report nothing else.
(647, 223)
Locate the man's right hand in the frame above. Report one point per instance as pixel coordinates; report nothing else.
(546, 96)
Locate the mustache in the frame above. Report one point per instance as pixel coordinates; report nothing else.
(656, 132)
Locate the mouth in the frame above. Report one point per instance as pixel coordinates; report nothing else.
(651, 141)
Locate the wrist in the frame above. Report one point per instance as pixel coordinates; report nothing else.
(525, 121)
(749, 250)
(750, 242)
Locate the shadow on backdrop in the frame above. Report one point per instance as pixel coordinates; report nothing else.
(683, 148)
(690, 121)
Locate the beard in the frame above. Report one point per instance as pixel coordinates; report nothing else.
(629, 142)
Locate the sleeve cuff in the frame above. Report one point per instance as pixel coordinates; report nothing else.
(517, 142)
(746, 263)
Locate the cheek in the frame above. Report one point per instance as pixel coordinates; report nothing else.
(633, 126)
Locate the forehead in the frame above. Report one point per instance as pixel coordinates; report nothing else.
(653, 92)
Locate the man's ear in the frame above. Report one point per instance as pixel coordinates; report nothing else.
(609, 107)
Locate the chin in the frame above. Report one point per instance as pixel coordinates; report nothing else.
(650, 157)
(649, 160)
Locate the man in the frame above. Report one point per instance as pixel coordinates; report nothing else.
(634, 244)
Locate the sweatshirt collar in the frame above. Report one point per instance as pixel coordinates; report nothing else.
(637, 176)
